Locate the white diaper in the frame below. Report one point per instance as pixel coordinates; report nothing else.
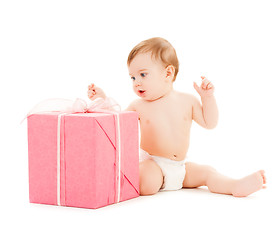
(173, 171)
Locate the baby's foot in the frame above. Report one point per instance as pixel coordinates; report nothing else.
(249, 184)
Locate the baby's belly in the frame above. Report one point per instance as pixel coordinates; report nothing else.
(165, 141)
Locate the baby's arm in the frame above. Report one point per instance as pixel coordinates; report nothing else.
(206, 114)
(132, 106)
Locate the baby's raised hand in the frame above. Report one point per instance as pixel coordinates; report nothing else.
(206, 89)
(95, 92)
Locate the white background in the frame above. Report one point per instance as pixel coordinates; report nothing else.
(54, 49)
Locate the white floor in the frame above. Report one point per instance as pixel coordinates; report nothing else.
(185, 214)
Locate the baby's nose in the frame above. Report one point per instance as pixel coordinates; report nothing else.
(137, 82)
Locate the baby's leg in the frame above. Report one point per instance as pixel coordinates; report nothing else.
(151, 177)
(250, 184)
(202, 175)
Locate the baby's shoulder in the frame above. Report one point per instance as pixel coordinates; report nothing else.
(186, 97)
(133, 106)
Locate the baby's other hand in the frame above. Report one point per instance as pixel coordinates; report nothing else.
(206, 89)
(95, 92)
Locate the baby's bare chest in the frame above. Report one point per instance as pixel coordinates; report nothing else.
(165, 117)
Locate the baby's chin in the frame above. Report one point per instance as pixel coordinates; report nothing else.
(151, 98)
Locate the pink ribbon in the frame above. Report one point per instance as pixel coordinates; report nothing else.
(77, 106)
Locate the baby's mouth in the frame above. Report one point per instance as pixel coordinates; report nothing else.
(140, 91)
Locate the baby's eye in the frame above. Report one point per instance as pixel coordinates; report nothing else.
(143, 74)
(133, 78)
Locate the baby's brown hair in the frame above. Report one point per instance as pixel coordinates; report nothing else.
(161, 49)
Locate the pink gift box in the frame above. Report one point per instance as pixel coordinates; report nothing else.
(86, 160)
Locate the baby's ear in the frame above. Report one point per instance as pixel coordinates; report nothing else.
(170, 71)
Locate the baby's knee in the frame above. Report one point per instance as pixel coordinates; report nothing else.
(210, 170)
(151, 178)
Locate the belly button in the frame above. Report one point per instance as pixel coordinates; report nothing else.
(175, 156)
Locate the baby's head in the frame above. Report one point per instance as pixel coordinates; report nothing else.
(153, 66)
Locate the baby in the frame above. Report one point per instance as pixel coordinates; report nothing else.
(165, 117)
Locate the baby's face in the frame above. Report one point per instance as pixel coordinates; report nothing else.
(149, 77)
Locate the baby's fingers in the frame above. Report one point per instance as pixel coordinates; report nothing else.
(91, 86)
(209, 86)
(91, 93)
(197, 88)
(206, 84)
